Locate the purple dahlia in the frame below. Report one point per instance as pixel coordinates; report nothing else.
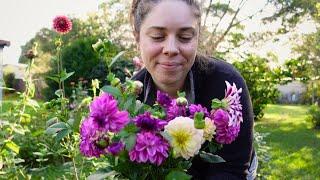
(147, 123)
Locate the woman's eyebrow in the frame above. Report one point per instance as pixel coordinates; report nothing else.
(180, 29)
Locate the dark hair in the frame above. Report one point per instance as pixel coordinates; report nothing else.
(141, 8)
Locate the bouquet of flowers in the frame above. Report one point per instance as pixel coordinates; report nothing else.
(159, 141)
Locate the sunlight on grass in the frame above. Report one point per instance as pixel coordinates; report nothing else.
(295, 146)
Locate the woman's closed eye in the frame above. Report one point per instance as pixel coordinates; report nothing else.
(157, 37)
(185, 38)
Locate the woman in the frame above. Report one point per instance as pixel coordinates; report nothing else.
(167, 34)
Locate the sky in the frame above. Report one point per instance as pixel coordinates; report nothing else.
(21, 19)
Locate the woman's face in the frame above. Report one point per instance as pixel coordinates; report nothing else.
(168, 41)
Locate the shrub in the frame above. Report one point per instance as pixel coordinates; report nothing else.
(261, 81)
(80, 58)
(9, 79)
(314, 116)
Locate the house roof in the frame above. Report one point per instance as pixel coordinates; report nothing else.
(4, 43)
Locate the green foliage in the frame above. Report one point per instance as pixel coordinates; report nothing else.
(293, 11)
(261, 82)
(314, 115)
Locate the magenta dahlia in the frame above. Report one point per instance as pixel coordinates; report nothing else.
(149, 147)
(174, 110)
(106, 114)
(62, 24)
(225, 134)
(93, 142)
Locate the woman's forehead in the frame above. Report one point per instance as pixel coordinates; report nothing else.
(171, 14)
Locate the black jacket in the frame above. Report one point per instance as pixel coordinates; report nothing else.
(209, 83)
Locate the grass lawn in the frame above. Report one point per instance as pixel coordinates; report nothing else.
(295, 146)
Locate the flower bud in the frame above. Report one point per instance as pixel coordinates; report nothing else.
(182, 101)
(199, 122)
(30, 54)
(115, 82)
(95, 83)
(137, 87)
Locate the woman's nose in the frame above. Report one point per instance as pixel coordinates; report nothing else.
(170, 47)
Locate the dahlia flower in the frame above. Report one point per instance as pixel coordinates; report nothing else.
(234, 108)
(163, 99)
(62, 24)
(175, 110)
(209, 129)
(106, 114)
(149, 147)
(185, 140)
(225, 134)
(115, 148)
(193, 109)
(93, 142)
(147, 123)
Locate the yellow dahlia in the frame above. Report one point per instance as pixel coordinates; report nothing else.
(185, 139)
(209, 129)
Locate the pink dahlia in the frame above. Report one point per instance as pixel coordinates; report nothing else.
(149, 147)
(225, 134)
(93, 142)
(106, 114)
(234, 108)
(62, 24)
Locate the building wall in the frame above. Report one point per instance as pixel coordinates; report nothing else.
(292, 92)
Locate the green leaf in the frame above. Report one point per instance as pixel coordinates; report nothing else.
(33, 104)
(55, 128)
(211, 158)
(116, 58)
(65, 75)
(12, 146)
(112, 90)
(58, 92)
(131, 128)
(52, 121)
(130, 141)
(102, 174)
(130, 104)
(61, 134)
(54, 78)
(177, 175)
